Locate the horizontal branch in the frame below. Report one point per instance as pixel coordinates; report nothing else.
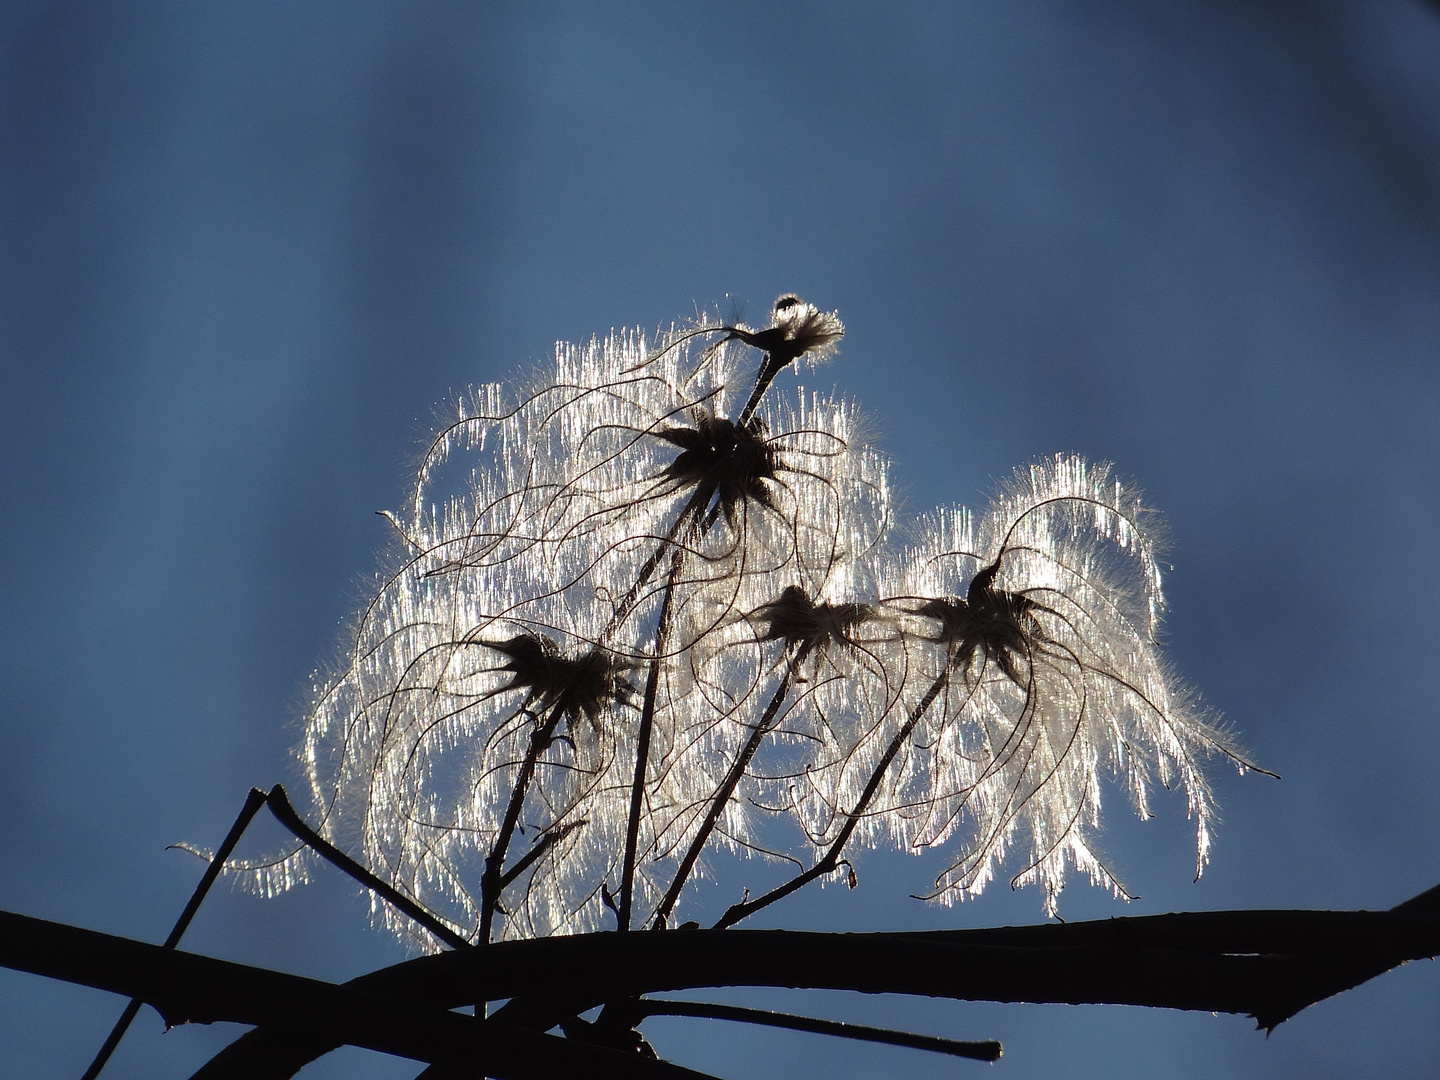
(1268, 964)
(186, 988)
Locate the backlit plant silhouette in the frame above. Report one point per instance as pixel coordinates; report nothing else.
(647, 613)
(645, 607)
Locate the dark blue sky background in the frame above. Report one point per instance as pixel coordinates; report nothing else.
(248, 247)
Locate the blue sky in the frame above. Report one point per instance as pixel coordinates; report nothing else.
(247, 249)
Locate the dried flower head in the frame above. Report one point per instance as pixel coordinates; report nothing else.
(803, 624)
(628, 624)
(796, 330)
(1042, 619)
(556, 536)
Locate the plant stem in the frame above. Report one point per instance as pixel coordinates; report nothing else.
(732, 780)
(642, 748)
(691, 515)
(831, 861)
(1269, 964)
(279, 804)
(541, 846)
(768, 370)
(185, 988)
(987, 1050)
(494, 864)
(253, 802)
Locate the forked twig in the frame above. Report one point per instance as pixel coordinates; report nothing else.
(253, 802)
(279, 803)
(727, 787)
(831, 860)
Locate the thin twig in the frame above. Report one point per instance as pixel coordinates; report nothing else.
(642, 747)
(541, 846)
(692, 513)
(279, 804)
(253, 802)
(831, 861)
(490, 880)
(731, 781)
(986, 1050)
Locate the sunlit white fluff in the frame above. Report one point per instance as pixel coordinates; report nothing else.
(1016, 759)
(551, 511)
(972, 691)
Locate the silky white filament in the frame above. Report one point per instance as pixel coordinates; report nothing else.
(643, 545)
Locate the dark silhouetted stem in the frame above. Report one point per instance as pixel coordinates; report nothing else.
(490, 880)
(831, 861)
(186, 988)
(1269, 964)
(544, 844)
(280, 806)
(727, 788)
(253, 802)
(642, 747)
(986, 1050)
(688, 517)
(768, 370)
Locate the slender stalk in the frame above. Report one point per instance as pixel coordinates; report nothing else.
(986, 1050)
(490, 880)
(253, 802)
(831, 861)
(732, 780)
(279, 804)
(690, 516)
(768, 370)
(544, 844)
(642, 748)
